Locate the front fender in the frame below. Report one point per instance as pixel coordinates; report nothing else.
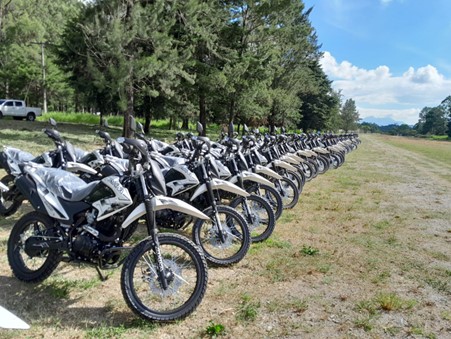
(253, 177)
(161, 202)
(267, 171)
(283, 164)
(219, 184)
(290, 159)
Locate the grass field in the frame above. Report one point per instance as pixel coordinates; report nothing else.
(366, 253)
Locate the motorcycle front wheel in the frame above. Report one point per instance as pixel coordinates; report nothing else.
(224, 244)
(288, 191)
(258, 214)
(185, 272)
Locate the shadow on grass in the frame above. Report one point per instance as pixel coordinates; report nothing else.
(35, 304)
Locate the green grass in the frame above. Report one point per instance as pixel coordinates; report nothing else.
(248, 309)
(214, 330)
(379, 260)
(430, 149)
(60, 288)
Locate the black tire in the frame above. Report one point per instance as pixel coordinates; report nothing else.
(237, 238)
(22, 263)
(31, 116)
(308, 170)
(288, 191)
(314, 164)
(271, 195)
(323, 164)
(337, 160)
(187, 282)
(295, 177)
(1, 115)
(260, 219)
(10, 201)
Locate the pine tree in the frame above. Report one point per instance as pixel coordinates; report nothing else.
(349, 116)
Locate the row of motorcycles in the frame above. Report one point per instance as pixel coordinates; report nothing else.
(86, 206)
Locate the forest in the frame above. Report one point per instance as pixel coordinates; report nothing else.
(253, 62)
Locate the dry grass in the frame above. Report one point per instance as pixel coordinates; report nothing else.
(365, 254)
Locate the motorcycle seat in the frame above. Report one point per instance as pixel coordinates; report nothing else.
(64, 184)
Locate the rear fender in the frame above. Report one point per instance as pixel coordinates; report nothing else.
(79, 167)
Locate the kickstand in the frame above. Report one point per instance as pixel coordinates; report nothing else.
(101, 276)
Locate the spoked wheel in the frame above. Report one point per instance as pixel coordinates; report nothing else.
(258, 214)
(271, 195)
(323, 164)
(11, 200)
(336, 160)
(294, 177)
(32, 263)
(314, 165)
(308, 169)
(185, 272)
(288, 191)
(224, 238)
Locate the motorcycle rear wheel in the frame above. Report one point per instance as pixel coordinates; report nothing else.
(9, 201)
(36, 265)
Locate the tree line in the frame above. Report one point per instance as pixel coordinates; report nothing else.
(253, 62)
(432, 121)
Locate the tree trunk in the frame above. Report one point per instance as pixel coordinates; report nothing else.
(127, 132)
(147, 114)
(202, 113)
(231, 111)
(185, 122)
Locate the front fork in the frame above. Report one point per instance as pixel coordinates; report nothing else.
(213, 204)
(245, 203)
(164, 275)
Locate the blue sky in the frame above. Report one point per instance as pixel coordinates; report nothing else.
(392, 57)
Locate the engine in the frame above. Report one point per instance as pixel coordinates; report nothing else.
(95, 239)
(172, 219)
(86, 246)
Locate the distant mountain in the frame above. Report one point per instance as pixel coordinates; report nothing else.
(384, 121)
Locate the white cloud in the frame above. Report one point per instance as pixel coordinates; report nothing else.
(379, 93)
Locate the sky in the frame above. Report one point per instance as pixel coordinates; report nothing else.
(392, 57)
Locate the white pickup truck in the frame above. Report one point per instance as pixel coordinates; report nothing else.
(18, 110)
